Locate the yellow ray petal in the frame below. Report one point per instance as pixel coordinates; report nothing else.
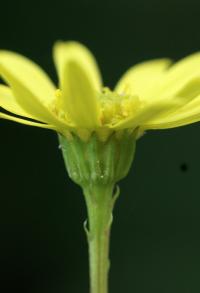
(80, 83)
(187, 114)
(186, 103)
(9, 103)
(178, 75)
(145, 113)
(32, 88)
(142, 79)
(186, 67)
(64, 52)
(190, 89)
(26, 122)
(80, 97)
(158, 110)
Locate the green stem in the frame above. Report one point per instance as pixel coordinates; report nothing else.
(96, 166)
(100, 203)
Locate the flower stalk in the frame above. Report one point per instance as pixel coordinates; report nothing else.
(100, 203)
(96, 166)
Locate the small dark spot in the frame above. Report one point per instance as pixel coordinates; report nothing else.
(184, 167)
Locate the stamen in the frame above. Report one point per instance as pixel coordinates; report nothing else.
(115, 107)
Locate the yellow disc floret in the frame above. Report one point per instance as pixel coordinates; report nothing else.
(115, 106)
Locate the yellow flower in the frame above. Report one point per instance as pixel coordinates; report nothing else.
(150, 95)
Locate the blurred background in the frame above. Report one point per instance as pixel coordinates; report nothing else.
(155, 237)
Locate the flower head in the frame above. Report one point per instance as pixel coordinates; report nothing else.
(150, 95)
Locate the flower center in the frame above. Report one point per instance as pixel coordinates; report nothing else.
(115, 106)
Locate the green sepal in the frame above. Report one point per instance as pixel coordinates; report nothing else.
(97, 162)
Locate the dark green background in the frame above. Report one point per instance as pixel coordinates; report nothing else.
(155, 240)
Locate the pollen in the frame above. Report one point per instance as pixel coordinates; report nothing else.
(116, 107)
